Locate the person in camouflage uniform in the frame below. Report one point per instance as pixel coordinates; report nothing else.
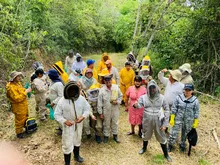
(184, 115)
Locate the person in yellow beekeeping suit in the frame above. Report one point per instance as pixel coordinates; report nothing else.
(126, 79)
(147, 62)
(102, 64)
(90, 64)
(58, 66)
(17, 96)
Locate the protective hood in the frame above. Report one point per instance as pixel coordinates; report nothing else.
(78, 55)
(131, 57)
(93, 94)
(103, 55)
(87, 82)
(153, 91)
(71, 91)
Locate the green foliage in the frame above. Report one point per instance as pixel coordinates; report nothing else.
(179, 33)
(158, 159)
(203, 162)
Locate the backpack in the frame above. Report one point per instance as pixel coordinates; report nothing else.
(30, 125)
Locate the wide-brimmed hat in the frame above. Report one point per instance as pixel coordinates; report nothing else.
(176, 74)
(186, 67)
(105, 73)
(14, 74)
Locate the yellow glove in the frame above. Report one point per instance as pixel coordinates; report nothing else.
(172, 121)
(195, 123)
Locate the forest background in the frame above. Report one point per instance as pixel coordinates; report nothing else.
(172, 32)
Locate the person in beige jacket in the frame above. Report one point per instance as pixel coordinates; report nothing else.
(186, 71)
(40, 86)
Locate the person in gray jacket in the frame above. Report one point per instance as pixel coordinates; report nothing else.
(184, 115)
(155, 118)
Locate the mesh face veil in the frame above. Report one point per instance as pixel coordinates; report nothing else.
(93, 95)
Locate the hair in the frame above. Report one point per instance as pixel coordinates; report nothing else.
(39, 71)
(138, 78)
(127, 63)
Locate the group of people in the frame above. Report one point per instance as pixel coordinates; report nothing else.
(84, 98)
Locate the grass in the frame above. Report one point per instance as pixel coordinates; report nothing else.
(158, 159)
(204, 162)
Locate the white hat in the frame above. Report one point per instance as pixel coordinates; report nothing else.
(176, 74)
(186, 67)
(14, 74)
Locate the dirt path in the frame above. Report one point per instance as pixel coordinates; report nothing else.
(44, 146)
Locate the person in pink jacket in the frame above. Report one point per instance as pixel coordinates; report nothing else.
(135, 116)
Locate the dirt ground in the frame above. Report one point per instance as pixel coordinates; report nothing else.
(44, 146)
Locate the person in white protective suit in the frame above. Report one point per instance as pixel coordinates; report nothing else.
(109, 100)
(71, 110)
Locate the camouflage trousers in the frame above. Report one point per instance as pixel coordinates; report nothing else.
(185, 128)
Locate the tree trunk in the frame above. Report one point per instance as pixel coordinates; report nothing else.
(136, 25)
(155, 28)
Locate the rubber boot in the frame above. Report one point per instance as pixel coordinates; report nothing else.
(115, 137)
(77, 157)
(98, 139)
(67, 159)
(165, 152)
(170, 148)
(105, 139)
(143, 150)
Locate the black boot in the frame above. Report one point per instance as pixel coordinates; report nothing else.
(98, 139)
(105, 139)
(170, 148)
(115, 137)
(77, 157)
(67, 159)
(165, 152)
(143, 150)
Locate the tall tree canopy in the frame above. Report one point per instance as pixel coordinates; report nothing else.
(171, 32)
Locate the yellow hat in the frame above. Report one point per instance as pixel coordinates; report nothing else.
(145, 67)
(147, 58)
(94, 86)
(104, 72)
